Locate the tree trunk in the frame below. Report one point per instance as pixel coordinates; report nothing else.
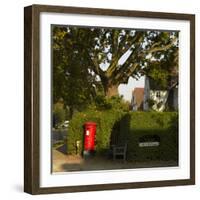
(71, 111)
(111, 90)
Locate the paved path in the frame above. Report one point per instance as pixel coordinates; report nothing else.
(63, 163)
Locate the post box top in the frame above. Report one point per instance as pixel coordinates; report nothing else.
(90, 124)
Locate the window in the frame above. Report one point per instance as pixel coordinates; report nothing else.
(158, 94)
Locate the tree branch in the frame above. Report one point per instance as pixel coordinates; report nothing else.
(95, 65)
(163, 48)
(123, 75)
(122, 49)
(97, 69)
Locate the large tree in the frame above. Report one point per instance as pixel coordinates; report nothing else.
(72, 82)
(114, 55)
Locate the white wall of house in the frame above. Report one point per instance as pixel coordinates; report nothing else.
(158, 96)
(160, 99)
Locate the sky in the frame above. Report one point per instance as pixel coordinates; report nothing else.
(126, 89)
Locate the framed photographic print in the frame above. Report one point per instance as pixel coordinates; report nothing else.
(109, 99)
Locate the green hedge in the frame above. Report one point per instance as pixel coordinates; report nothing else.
(162, 127)
(131, 127)
(105, 121)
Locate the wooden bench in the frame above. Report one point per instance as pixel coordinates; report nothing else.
(119, 151)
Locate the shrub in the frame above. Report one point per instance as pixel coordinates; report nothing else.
(114, 102)
(105, 120)
(130, 127)
(161, 127)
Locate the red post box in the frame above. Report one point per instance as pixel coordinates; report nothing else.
(89, 138)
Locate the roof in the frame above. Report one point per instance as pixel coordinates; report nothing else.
(138, 94)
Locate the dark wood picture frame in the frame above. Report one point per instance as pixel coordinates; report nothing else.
(32, 91)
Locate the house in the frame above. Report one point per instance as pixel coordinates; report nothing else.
(157, 97)
(137, 99)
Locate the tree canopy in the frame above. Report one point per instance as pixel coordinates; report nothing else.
(86, 59)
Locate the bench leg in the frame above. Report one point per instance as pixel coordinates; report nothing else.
(124, 157)
(114, 157)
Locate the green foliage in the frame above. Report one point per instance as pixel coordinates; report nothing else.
(79, 52)
(59, 114)
(114, 102)
(151, 102)
(105, 120)
(130, 127)
(153, 124)
(159, 75)
(72, 81)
